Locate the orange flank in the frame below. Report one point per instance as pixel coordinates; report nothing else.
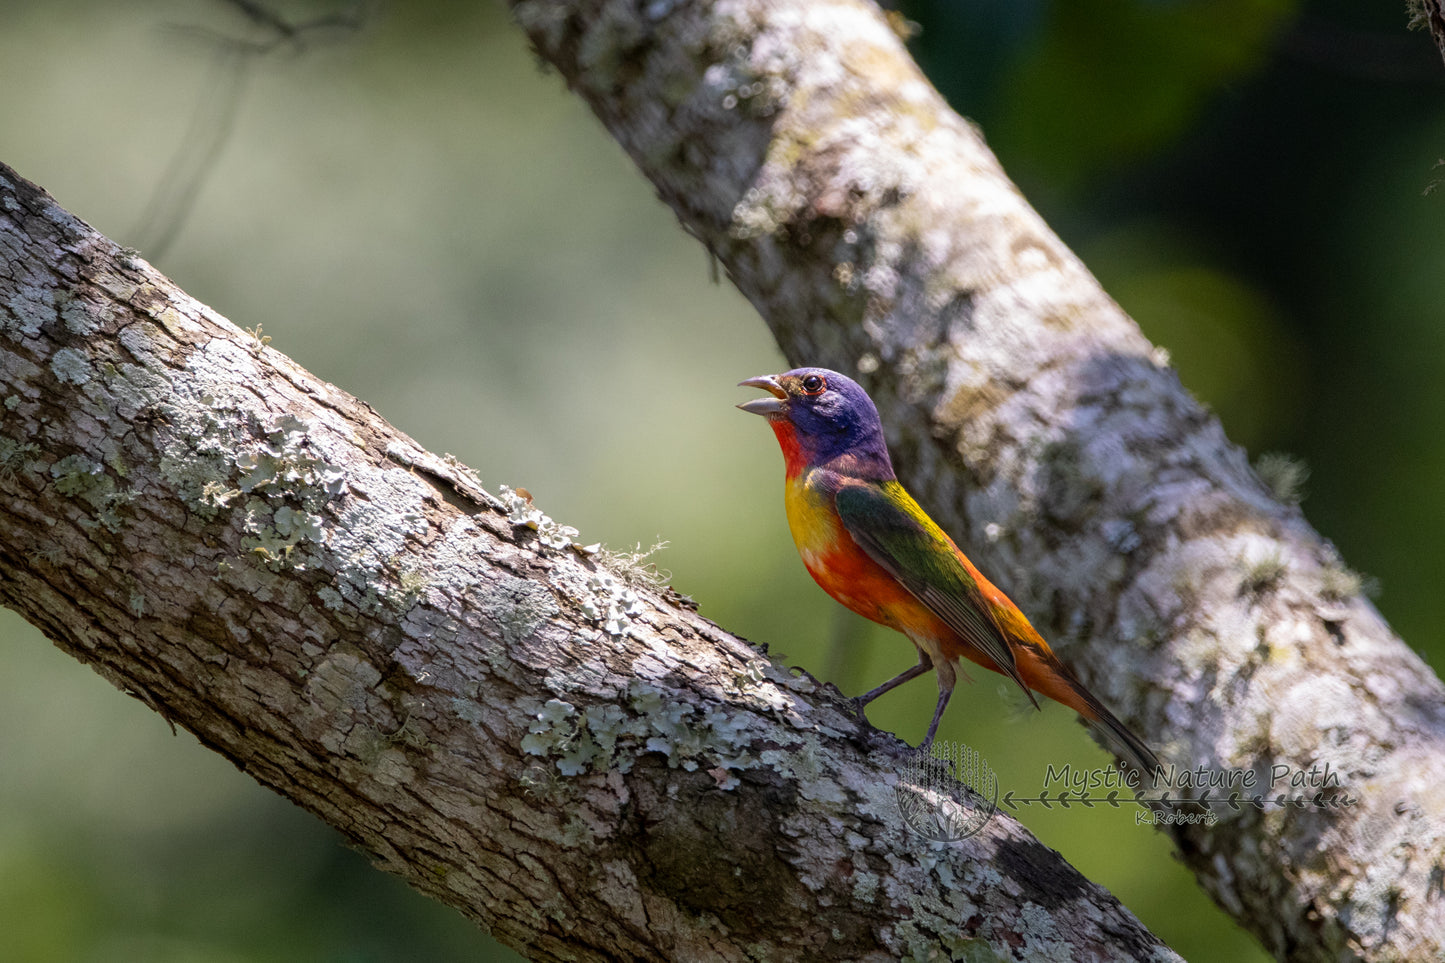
(855, 580)
(852, 578)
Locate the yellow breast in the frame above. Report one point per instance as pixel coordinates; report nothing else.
(845, 571)
(812, 521)
(829, 553)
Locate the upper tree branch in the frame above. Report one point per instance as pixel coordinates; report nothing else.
(876, 233)
(1430, 14)
(580, 764)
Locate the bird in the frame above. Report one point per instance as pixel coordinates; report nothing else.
(870, 546)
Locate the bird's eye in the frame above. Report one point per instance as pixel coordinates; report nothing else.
(814, 385)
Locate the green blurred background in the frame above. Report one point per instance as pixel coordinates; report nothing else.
(420, 215)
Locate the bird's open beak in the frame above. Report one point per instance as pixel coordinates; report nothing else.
(765, 406)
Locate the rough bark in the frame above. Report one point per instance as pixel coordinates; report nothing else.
(1430, 14)
(573, 759)
(873, 229)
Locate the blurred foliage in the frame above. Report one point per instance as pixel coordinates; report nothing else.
(1119, 79)
(419, 215)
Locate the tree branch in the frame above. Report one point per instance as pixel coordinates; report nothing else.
(531, 734)
(1430, 14)
(876, 233)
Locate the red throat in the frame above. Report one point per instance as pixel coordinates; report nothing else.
(793, 458)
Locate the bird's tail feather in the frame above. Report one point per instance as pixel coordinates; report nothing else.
(1046, 674)
(1129, 746)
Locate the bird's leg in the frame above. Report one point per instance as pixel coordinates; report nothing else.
(924, 664)
(946, 679)
(943, 695)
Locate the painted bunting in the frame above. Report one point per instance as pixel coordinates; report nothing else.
(869, 545)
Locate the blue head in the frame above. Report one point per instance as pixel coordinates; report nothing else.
(819, 416)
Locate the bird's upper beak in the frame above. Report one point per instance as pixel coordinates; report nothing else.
(765, 406)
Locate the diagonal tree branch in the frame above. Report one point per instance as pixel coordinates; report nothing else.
(532, 734)
(876, 233)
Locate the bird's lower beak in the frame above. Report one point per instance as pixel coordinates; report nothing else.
(765, 406)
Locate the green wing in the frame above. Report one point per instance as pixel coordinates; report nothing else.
(895, 532)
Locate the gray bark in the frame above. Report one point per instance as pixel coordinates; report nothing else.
(527, 732)
(873, 229)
